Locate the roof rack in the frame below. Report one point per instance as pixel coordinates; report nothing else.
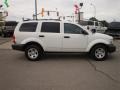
(50, 19)
(40, 19)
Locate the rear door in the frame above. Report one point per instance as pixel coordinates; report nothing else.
(50, 36)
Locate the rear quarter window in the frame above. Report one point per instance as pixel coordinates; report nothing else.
(28, 27)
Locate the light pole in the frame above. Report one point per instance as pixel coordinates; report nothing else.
(36, 9)
(94, 10)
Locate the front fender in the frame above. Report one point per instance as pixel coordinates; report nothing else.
(95, 42)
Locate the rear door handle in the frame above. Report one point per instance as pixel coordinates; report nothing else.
(41, 36)
(66, 36)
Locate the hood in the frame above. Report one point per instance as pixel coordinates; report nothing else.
(104, 36)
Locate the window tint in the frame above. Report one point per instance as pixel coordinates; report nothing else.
(72, 29)
(51, 27)
(90, 23)
(28, 27)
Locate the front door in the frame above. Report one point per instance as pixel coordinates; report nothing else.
(73, 39)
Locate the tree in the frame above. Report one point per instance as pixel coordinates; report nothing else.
(105, 23)
(93, 19)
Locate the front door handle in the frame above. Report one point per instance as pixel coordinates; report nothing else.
(41, 36)
(66, 36)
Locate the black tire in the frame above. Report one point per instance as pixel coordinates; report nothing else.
(37, 52)
(99, 53)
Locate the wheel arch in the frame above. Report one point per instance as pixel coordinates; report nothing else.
(33, 43)
(103, 44)
(96, 42)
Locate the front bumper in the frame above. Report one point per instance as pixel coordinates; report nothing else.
(111, 48)
(18, 47)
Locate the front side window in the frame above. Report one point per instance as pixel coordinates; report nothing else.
(72, 29)
(96, 23)
(28, 27)
(50, 27)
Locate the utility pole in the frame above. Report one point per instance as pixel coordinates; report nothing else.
(81, 5)
(94, 10)
(36, 9)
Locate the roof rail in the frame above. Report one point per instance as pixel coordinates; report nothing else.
(50, 19)
(40, 19)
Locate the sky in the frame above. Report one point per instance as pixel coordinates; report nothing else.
(105, 9)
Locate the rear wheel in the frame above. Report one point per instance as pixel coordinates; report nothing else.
(99, 53)
(33, 52)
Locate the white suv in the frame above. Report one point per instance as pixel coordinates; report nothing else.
(39, 37)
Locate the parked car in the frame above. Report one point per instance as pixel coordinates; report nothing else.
(9, 28)
(114, 29)
(1, 26)
(94, 26)
(39, 37)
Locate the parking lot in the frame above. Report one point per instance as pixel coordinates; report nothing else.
(57, 71)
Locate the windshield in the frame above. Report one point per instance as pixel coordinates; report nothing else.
(90, 23)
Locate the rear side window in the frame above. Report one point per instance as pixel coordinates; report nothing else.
(50, 27)
(28, 27)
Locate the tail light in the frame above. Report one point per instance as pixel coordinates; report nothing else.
(13, 39)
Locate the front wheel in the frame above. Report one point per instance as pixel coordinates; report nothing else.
(33, 52)
(99, 53)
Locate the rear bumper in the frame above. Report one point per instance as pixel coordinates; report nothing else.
(111, 48)
(18, 47)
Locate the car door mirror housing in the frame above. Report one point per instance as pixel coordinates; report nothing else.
(84, 32)
(94, 30)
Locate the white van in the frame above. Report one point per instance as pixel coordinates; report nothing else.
(95, 26)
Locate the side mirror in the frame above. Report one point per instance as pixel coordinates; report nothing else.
(88, 27)
(84, 32)
(94, 30)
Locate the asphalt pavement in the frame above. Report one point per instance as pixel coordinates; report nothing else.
(57, 71)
